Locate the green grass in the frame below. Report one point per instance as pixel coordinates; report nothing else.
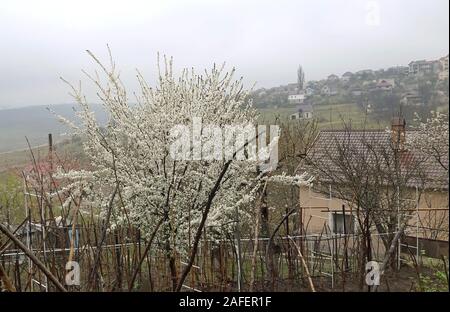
(268, 115)
(329, 116)
(332, 116)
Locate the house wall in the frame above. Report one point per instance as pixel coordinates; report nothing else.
(296, 98)
(443, 74)
(315, 215)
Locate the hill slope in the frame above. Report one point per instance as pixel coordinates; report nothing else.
(35, 123)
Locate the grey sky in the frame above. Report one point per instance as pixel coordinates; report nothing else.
(264, 40)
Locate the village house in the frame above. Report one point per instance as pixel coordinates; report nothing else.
(385, 85)
(322, 206)
(296, 98)
(443, 74)
(412, 98)
(423, 67)
(304, 111)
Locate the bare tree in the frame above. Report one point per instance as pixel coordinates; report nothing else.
(281, 192)
(374, 173)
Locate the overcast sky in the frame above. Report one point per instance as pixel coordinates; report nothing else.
(264, 40)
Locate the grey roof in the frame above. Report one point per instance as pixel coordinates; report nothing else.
(327, 151)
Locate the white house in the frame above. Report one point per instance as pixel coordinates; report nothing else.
(443, 74)
(296, 98)
(423, 67)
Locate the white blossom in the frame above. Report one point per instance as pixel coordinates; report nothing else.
(132, 151)
(431, 137)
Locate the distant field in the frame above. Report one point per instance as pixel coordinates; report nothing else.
(333, 116)
(21, 158)
(329, 116)
(35, 123)
(37, 126)
(269, 114)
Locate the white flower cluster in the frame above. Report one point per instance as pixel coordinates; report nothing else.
(298, 180)
(431, 137)
(132, 151)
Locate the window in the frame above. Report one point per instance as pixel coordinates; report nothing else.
(340, 223)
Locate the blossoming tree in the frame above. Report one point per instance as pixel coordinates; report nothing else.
(431, 137)
(134, 178)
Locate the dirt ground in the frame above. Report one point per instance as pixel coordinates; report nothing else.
(405, 280)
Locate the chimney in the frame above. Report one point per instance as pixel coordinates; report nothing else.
(398, 126)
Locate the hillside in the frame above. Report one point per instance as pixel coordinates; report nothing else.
(35, 123)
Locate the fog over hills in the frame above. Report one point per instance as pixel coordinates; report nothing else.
(35, 123)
